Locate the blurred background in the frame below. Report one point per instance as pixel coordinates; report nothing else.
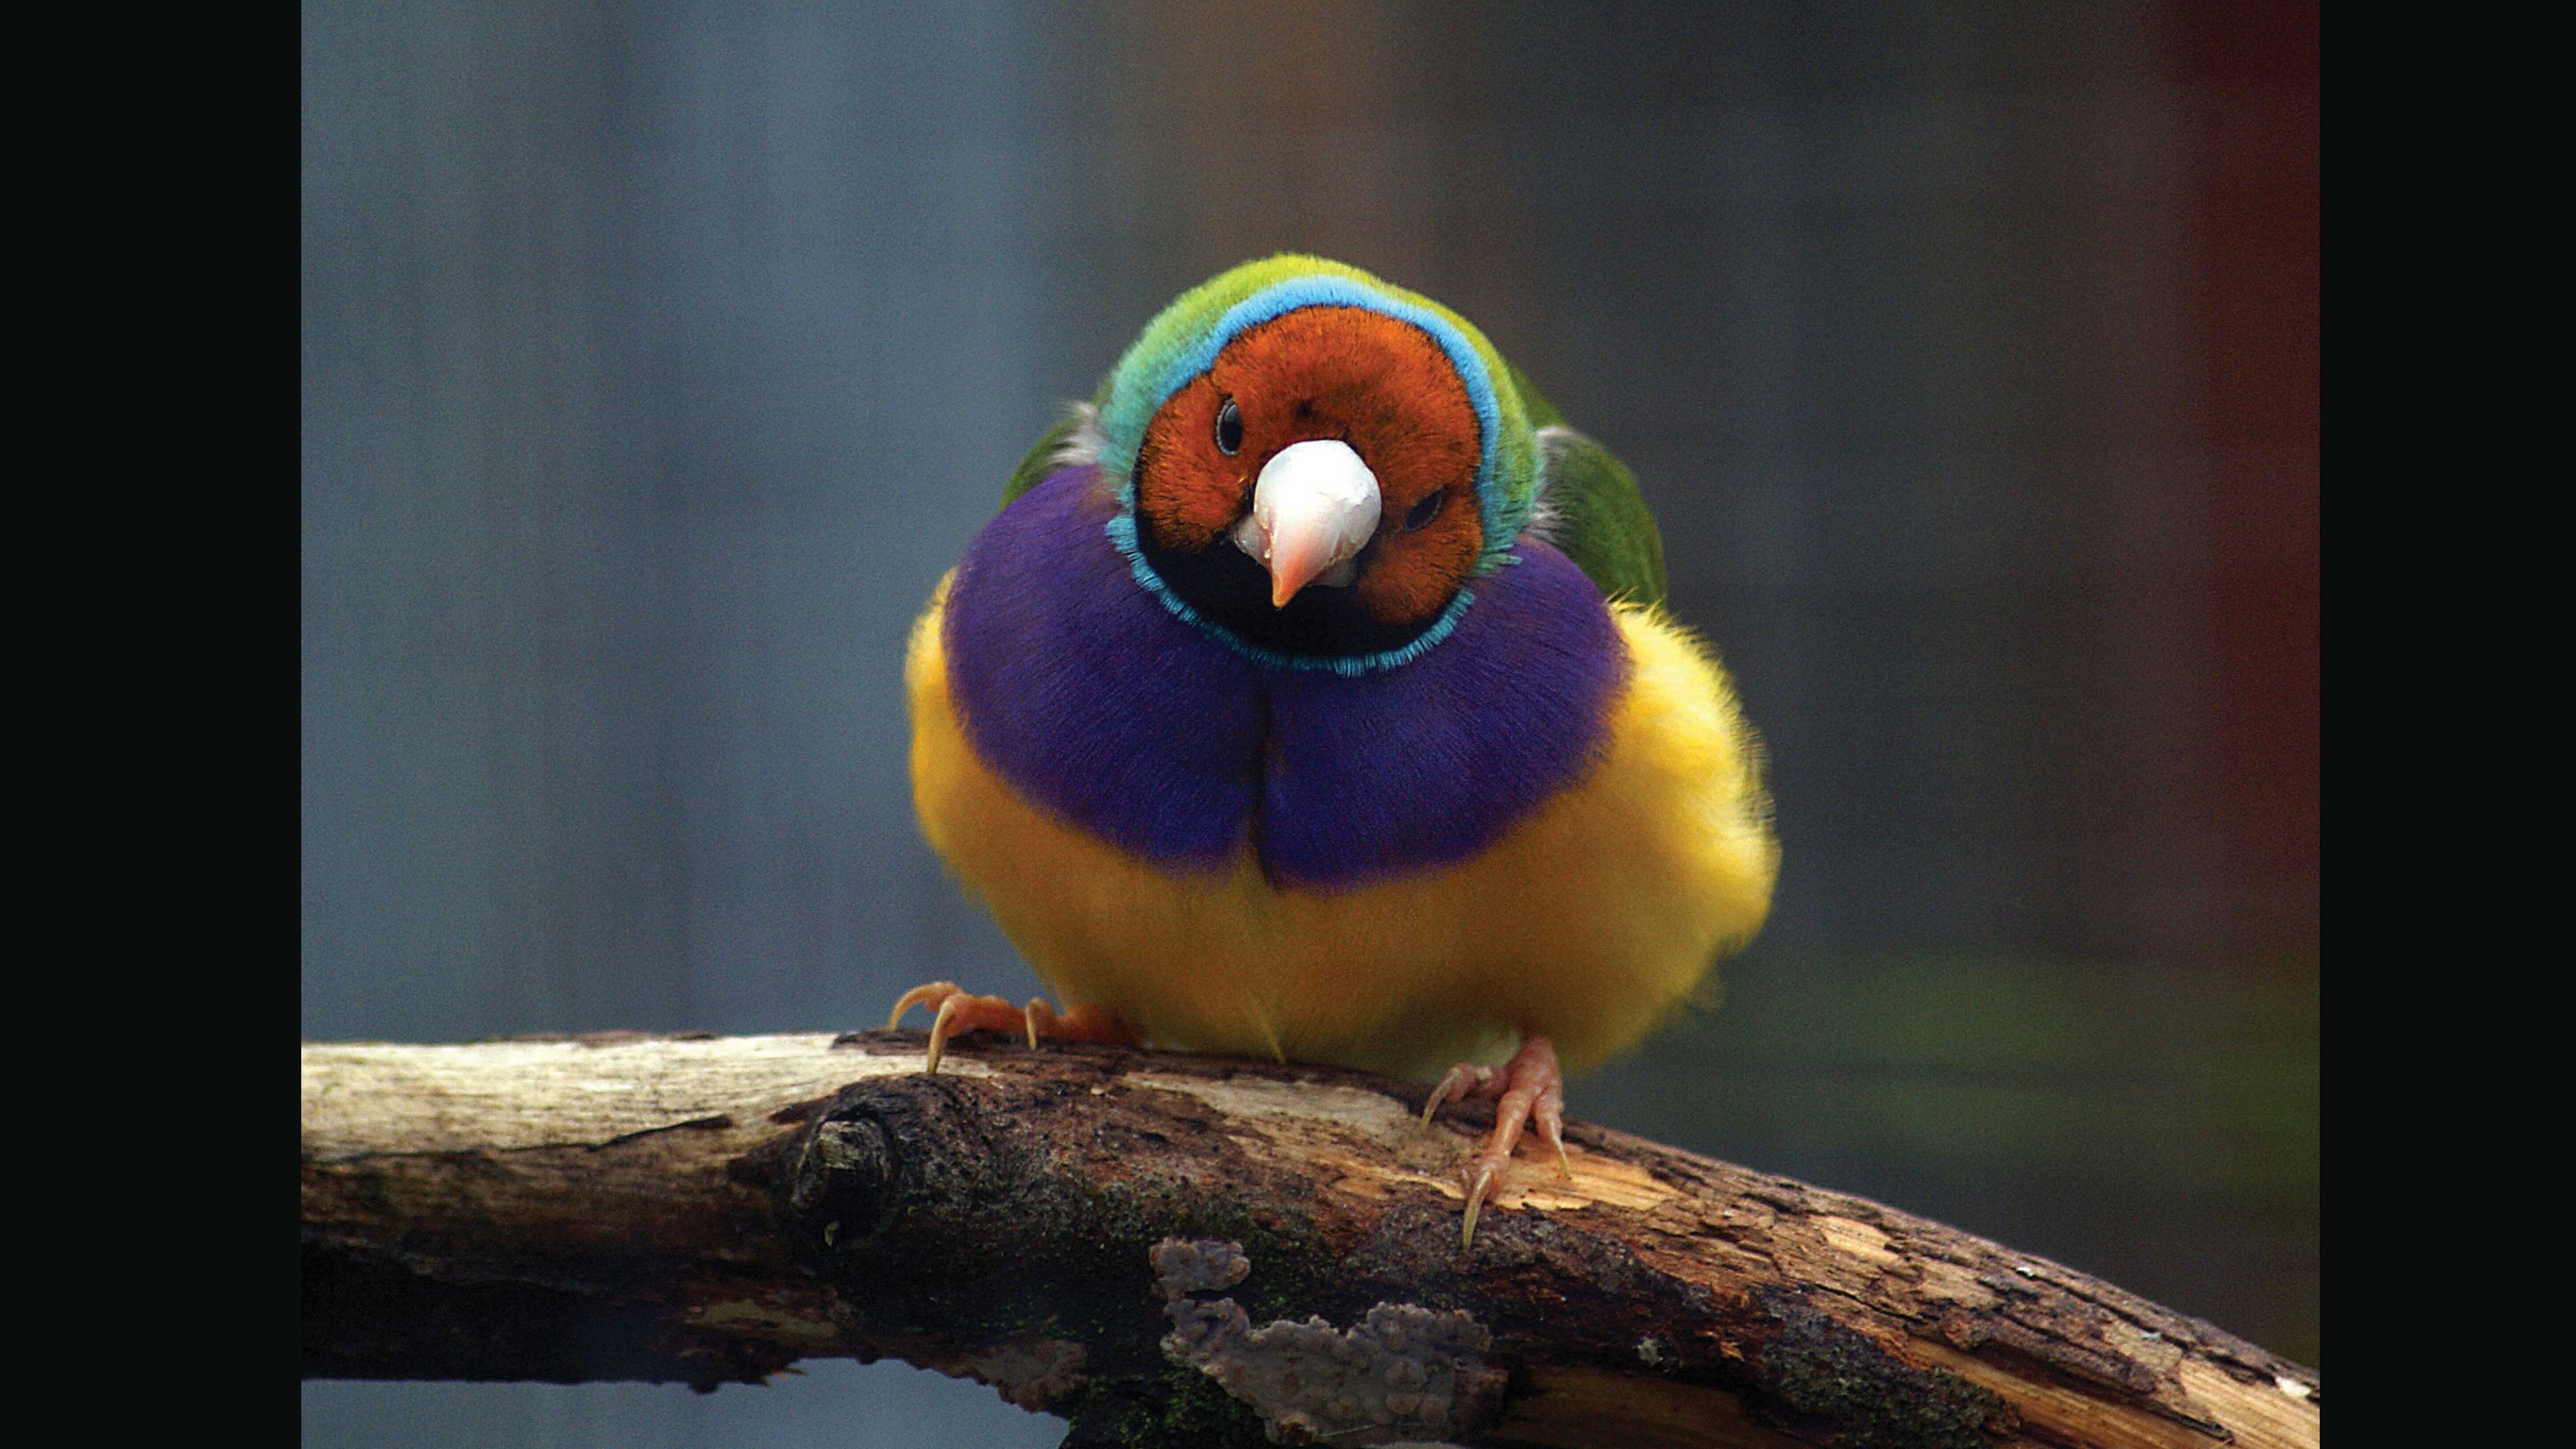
(658, 358)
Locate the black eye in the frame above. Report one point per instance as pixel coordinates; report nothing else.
(1424, 511)
(1229, 428)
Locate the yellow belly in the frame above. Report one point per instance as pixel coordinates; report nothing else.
(1588, 921)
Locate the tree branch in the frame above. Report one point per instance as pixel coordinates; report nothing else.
(1098, 1231)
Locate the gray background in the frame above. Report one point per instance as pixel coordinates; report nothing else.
(658, 358)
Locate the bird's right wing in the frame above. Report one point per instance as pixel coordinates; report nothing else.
(1589, 507)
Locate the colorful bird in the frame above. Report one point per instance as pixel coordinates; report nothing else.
(1311, 697)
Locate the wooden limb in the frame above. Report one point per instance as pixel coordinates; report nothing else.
(1109, 1234)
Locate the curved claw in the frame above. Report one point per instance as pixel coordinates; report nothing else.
(939, 1031)
(1550, 1113)
(1476, 1190)
(1460, 1081)
(935, 991)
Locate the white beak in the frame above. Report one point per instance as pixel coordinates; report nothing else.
(1313, 509)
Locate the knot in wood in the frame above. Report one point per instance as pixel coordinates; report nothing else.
(839, 1186)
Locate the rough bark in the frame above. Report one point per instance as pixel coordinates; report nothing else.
(1097, 1232)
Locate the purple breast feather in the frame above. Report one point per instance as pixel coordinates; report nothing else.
(1079, 687)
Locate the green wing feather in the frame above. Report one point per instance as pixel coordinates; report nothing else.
(1040, 460)
(1601, 520)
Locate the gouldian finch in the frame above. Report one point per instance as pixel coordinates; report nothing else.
(1311, 697)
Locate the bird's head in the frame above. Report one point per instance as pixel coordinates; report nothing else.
(1316, 464)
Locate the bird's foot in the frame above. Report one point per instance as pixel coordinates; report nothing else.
(1529, 1085)
(958, 1012)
